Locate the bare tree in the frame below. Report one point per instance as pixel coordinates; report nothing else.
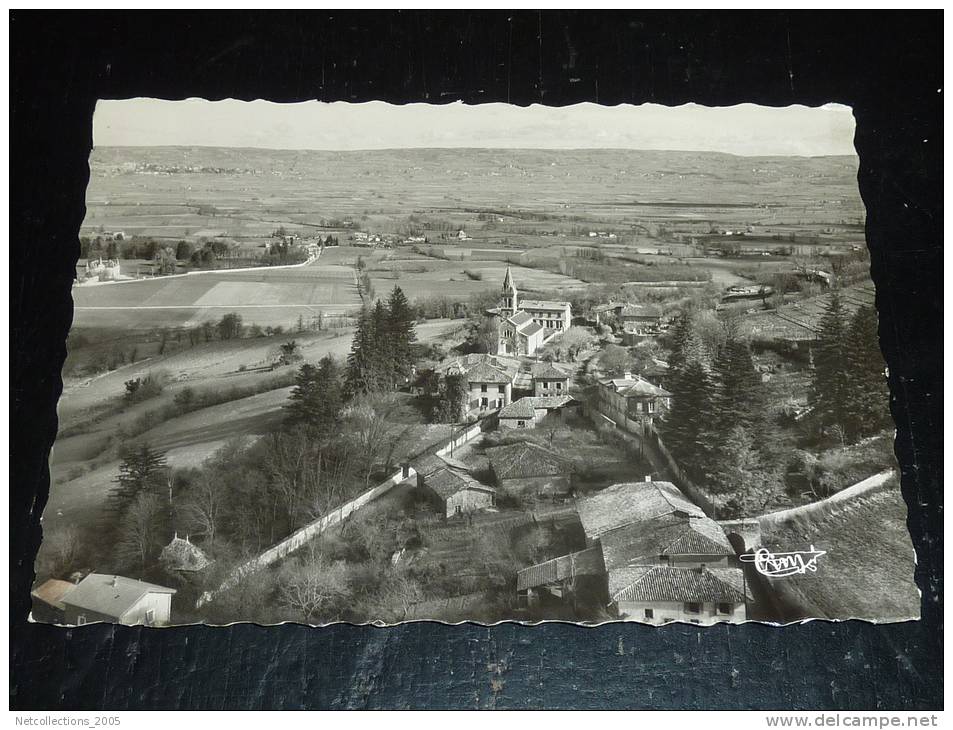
(314, 587)
(140, 533)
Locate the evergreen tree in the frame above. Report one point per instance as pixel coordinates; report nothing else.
(401, 335)
(687, 427)
(681, 336)
(868, 396)
(357, 375)
(141, 471)
(831, 381)
(739, 397)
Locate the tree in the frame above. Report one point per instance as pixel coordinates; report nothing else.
(680, 335)
(289, 353)
(401, 335)
(450, 402)
(738, 389)
(141, 531)
(867, 410)
(314, 587)
(830, 392)
(183, 251)
(165, 258)
(317, 396)
(575, 340)
(738, 471)
(141, 471)
(230, 326)
(686, 426)
(363, 363)
(615, 360)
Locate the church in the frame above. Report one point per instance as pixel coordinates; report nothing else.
(527, 324)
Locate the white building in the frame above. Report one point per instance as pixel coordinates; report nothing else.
(526, 325)
(119, 600)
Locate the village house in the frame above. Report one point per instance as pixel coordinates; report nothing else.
(532, 411)
(662, 558)
(639, 321)
(447, 484)
(527, 469)
(526, 325)
(116, 599)
(549, 381)
(632, 402)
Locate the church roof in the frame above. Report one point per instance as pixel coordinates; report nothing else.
(508, 280)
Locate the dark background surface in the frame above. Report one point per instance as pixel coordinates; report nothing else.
(887, 66)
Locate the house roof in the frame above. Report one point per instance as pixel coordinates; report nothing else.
(427, 464)
(448, 481)
(526, 459)
(631, 502)
(662, 583)
(183, 555)
(51, 592)
(526, 407)
(546, 371)
(584, 562)
(634, 387)
(110, 595)
(465, 363)
(542, 304)
(666, 535)
(486, 373)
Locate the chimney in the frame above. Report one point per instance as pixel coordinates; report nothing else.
(648, 477)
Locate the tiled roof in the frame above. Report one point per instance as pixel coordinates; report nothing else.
(682, 585)
(485, 373)
(546, 371)
(448, 481)
(110, 595)
(584, 562)
(529, 329)
(526, 407)
(427, 464)
(631, 502)
(526, 459)
(634, 387)
(666, 535)
(542, 304)
(520, 318)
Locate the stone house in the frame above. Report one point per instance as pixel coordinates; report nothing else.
(531, 412)
(549, 380)
(632, 402)
(451, 488)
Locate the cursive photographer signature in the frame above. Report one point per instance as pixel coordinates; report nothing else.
(778, 565)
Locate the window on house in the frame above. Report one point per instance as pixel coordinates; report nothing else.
(559, 386)
(521, 424)
(724, 608)
(501, 389)
(81, 619)
(150, 617)
(483, 388)
(484, 402)
(649, 613)
(693, 608)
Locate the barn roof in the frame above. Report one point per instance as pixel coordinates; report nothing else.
(584, 562)
(666, 535)
(661, 584)
(526, 459)
(631, 502)
(526, 407)
(447, 481)
(110, 595)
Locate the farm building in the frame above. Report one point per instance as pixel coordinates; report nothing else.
(526, 468)
(560, 577)
(454, 491)
(531, 411)
(662, 558)
(549, 380)
(632, 402)
(48, 600)
(525, 325)
(115, 599)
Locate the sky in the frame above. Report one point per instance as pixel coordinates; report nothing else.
(745, 129)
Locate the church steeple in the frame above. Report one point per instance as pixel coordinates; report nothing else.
(510, 295)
